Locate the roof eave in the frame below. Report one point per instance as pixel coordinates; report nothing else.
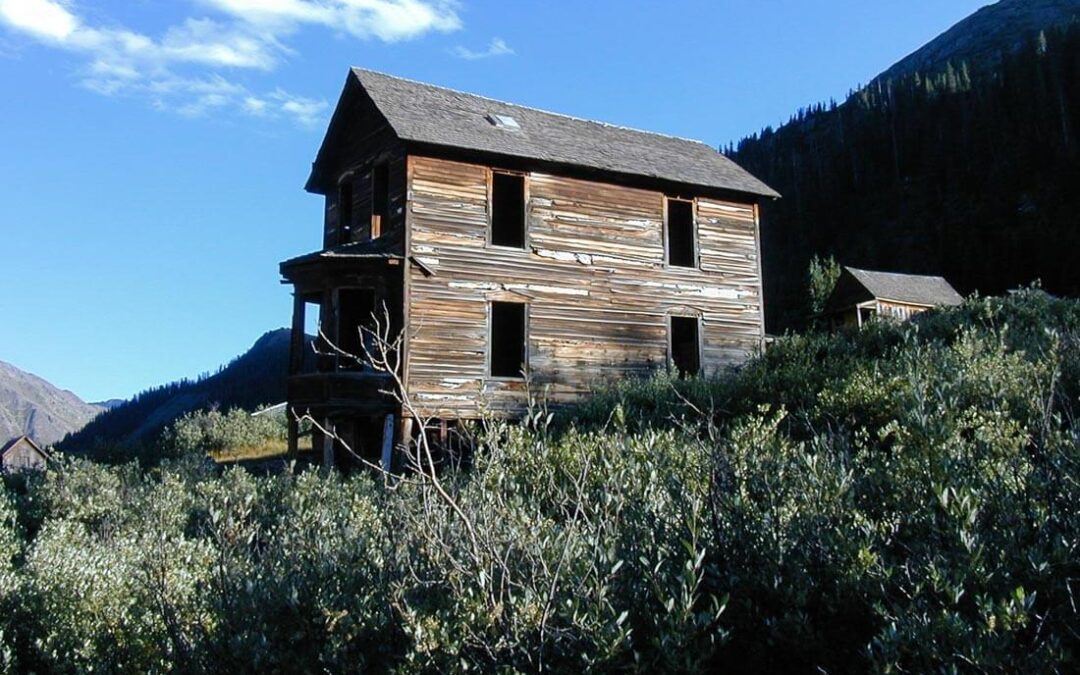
(427, 148)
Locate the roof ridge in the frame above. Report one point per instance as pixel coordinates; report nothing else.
(897, 274)
(535, 109)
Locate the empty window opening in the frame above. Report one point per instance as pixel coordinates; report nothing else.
(507, 339)
(508, 210)
(380, 199)
(345, 211)
(355, 308)
(681, 248)
(686, 345)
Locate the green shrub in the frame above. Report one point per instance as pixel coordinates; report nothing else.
(219, 433)
(903, 498)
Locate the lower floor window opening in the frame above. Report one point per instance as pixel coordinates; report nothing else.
(507, 339)
(686, 345)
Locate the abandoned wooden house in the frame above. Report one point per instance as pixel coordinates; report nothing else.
(22, 454)
(512, 250)
(861, 295)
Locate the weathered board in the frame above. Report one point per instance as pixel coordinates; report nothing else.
(599, 293)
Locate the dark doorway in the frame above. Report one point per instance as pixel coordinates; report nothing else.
(355, 308)
(686, 345)
(507, 347)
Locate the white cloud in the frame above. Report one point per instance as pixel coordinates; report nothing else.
(41, 18)
(210, 43)
(498, 47)
(256, 106)
(179, 71)
(304, 111)
(387, 20)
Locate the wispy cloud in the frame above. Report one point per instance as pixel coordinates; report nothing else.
(184, 69)
(498, 47)
(386, 20)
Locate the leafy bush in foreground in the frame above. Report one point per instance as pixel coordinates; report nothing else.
(901, 499)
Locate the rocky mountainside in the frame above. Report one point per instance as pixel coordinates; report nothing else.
(254, 379)
(981, 39)
(29, 405)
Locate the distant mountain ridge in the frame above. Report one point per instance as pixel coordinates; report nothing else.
(983, 37)
(254, 379)
(33, 407)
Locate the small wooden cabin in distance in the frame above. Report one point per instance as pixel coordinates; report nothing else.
(22, 454)
(861, 295)
(503, 242)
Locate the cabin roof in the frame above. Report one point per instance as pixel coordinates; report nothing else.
(911, 289)
(432, 115)
(10, 445)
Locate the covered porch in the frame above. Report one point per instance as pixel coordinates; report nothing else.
(337, 377)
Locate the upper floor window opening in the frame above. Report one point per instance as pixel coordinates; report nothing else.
(345, 209)
(507, 209)
(680, 232)
(380, 199)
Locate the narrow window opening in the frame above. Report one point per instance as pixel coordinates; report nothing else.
(355, 308)
(345, 211)
(380, 199)
(508, 210)
(686, 345)
(507, 339)
(680, 233)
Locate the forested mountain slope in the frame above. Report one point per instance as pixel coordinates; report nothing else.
(967, 173)
(256, 378)
(982, 38)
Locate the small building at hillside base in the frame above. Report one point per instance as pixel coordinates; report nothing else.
(505, 253)
(861, 295)
(22, 454)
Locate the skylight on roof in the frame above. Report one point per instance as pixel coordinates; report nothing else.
(503, 121)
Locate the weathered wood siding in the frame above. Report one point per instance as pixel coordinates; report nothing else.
(599, 294)
(360, 176)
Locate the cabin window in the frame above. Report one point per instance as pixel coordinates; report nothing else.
(380, 199)
(507, 339)
(345, 210)
(680, 236)
(507, 209)
(686, 345)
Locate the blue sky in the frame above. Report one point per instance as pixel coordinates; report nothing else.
(152, 154)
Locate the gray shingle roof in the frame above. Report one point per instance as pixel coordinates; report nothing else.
(424, 113)
(907, 288)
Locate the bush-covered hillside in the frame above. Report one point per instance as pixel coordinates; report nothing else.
(902, 499)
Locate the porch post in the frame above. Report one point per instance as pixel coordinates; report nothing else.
(328, 445)
(388, 443)
(296, 345)
(294, 431)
